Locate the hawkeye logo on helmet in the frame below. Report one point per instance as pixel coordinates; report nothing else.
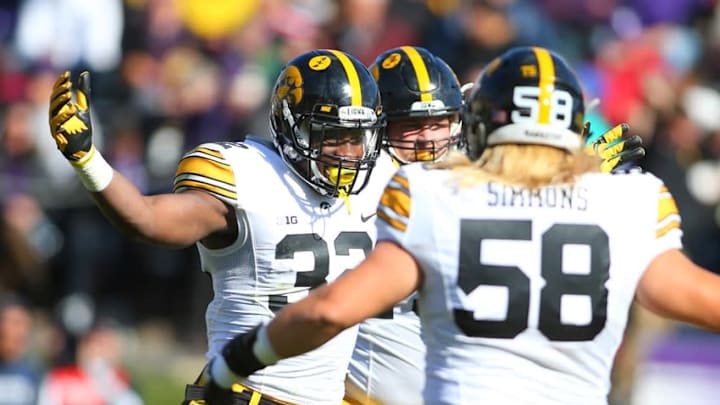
(353, 113)
(290, 85)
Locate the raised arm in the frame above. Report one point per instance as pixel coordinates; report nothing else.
(174, 220)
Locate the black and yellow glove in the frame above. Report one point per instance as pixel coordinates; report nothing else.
(70, 120)
(614, 147)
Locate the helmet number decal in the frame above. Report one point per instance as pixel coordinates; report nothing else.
(526, 99)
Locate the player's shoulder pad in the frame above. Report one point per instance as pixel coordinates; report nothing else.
(241, 149)
(206, 168)
(258, 140)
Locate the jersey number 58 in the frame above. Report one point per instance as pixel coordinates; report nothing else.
(473, 273)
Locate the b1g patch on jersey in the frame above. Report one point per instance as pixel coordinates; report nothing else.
(287, 220)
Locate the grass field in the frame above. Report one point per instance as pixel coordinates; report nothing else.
(160, 366)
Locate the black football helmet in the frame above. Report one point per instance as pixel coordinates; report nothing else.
(327, 97)
(527, 95)
(414, 83)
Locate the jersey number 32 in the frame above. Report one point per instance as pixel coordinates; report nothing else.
(315, 244)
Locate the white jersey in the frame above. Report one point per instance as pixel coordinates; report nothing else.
(388, 362)
(291, 239)
(526, 295)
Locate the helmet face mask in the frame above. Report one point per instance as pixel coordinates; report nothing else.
(338, 155)
(528, 95)
(327, 120)
(417, 86)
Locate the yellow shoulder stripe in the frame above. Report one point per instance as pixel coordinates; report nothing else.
(401, 181)
(400, 226)
(395, 203)
(668, 215)
(667, 228)
(210, 152)
(397, 200)
(190, 183)
(666, 208)
(206, 169)
(212, 169)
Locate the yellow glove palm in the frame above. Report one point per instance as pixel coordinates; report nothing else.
(614, 147)
(70, 121)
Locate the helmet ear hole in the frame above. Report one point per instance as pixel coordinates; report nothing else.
(290, 152)
(303, 135)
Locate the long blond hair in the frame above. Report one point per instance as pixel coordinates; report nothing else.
(526, 165)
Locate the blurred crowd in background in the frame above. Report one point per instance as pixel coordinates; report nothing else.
(170, 74)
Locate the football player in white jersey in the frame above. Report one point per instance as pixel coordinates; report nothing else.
(271, 221)
(524, 260)
(421, 98)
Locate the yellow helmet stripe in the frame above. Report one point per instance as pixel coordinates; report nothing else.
(352, 75)
(421, 73)
(546, 83)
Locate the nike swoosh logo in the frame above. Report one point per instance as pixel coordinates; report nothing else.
(366, 218)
